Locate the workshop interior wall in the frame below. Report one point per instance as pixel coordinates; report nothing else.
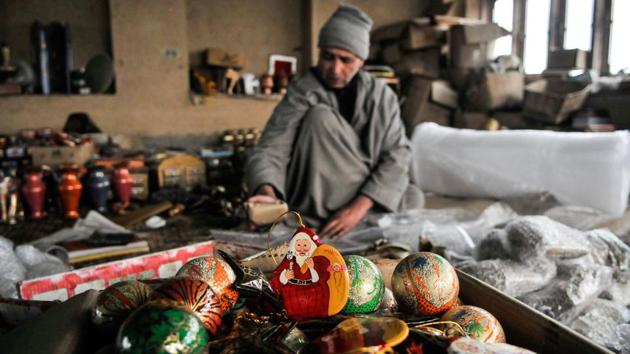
(153, 43)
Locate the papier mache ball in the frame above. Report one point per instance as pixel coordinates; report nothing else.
(366, 286)
(425, 284)
(162, 327)
(198, 297)
(212, 270)
(478, 323)
(118, 300)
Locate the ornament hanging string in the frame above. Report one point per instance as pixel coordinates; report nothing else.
(298, 218)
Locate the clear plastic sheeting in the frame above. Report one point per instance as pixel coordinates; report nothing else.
(456, 229)
(601, 321)
(534, 236)
(513, 278)
(563, 297)
(38, 263)
(584, 169)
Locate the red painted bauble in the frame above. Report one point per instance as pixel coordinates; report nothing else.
(198, 296)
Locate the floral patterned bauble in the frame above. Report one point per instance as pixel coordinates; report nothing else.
(478, 323)
(119, 300)
(366, 286)
(162, 327)
(212, 270)
(425, 284)
(198, 296)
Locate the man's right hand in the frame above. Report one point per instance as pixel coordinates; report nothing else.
(264, 195)
(289, 274)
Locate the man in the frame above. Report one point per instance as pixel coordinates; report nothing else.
(301, 278)
(335, 146)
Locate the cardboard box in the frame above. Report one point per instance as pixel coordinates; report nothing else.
(225, 58)
(524, 326)
(568, 59)
(55, 156)
(496, 91)
(477, 33)
(418, 33)
(516, 120)
(416, 94)
(391, 53)
(151, 266)
(424, 62)
(471, 45)
(469, 120)
(615, 103)
(443, 94)
(552, 101)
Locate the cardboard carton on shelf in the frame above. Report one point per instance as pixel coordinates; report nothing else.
(411, 35)
(225, 58)
(424, 62)
(497, 91)
(62, 155)
(443, 94)
(470, 45)
(552, 101)
(568, 59)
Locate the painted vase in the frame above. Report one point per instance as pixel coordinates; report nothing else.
(366, 286)
(162, 327)
(70, 189)
(425, 284)
(198, 297)
(34, 191)
(122, 184)
(97, 185)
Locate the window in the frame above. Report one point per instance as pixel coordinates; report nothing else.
(579, 24)
(536, 36)
(503, 15)
(619, 56)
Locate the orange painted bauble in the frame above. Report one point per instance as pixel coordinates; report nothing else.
(425, 284)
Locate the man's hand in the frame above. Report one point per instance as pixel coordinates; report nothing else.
(347, 218)
(289, 274)
(265, 195)
(309, 263)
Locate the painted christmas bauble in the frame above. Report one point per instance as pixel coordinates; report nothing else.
(118, 300)
(478, 323)
(425, 284)
(212, 270)
(162, 327)
(198, 297)
(366, 286)
(364, 335)
(312, 280)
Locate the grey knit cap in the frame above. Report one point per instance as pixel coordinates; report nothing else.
(348, 28)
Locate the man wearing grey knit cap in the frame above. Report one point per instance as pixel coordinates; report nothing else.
(335, 147)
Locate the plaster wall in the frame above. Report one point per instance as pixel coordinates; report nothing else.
(154, 42)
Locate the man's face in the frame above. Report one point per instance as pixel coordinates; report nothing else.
(302, 247)
(337, 67)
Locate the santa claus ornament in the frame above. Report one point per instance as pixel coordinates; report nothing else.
(312, 280)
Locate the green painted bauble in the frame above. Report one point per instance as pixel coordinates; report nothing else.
(425, 284)
(162, 327)
(366, 286)
(478, 323)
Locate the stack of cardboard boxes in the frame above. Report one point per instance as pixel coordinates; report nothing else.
(442, 62)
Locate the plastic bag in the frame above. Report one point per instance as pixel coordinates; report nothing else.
(586, 169)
